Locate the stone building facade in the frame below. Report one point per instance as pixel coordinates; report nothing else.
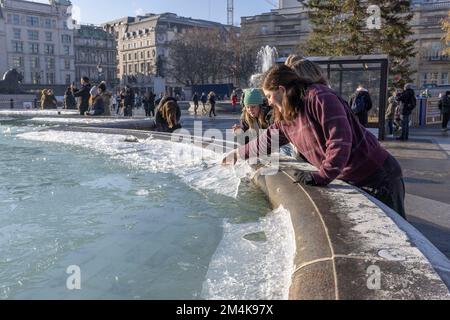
(142, 47)
(35, 39)
(433, 67)
(96, 54)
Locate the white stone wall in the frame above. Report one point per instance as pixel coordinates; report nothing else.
(58, 17)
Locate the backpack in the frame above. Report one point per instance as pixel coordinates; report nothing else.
(359, 104)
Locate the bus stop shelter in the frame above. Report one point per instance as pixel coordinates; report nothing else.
(347, 72)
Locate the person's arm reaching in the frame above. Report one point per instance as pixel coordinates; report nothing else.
(257, 146)
(263, 145)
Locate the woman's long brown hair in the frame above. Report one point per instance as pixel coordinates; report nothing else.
(261, 119)
(293, 99)
(169, 113)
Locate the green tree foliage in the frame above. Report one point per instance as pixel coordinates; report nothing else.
(341, 27)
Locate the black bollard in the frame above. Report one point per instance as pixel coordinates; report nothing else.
(11, 103)
(35, 103)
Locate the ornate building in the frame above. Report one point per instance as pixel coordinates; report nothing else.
(285, 27)
(142, 46)
(96, 54)
(433, 67)
(35, 40)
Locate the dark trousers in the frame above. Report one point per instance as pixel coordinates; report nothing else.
(128, 112)
(405, 127)
(445, 120)
(387, 185)
(196, 105)
(83, 110)
(391, 126)
(213, 110)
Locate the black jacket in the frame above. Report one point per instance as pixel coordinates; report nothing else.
(85, 94)
(408, 102)
(128, 98)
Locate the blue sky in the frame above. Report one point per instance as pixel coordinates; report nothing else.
(99, 11)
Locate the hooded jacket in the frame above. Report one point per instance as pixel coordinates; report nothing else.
(329, 136)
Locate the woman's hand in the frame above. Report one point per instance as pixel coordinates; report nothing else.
(231, 158)
(236, 127)
(304, 178)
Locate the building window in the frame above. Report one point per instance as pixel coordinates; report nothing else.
(50, 63)
(148, 54)
(67, 64)
(68, 79)
(34, 62)
(136, 68)
(142, 55)
(48, 36)
(149, 67)
(124, 57)
(15, 19)
(32, 21)
(49, 49)
(48, 23)
(50, 78)
(66, 50)
(434, 51)
(65, 38)
(143, 67)
(34, 48)
(434, 77)
(444, 78)
(124, 69)
(130, 69)
(17, 33)
(264, 29)
(33, 35)
(135, 56)
(36, 77)
(17, 62)
(129, 56)
(17, 46)
(424, 79)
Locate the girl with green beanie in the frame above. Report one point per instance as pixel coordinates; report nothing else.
(253, 116)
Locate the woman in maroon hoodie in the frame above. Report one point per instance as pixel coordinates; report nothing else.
(324, 130)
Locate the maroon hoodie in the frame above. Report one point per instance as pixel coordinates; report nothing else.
(329, 136)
